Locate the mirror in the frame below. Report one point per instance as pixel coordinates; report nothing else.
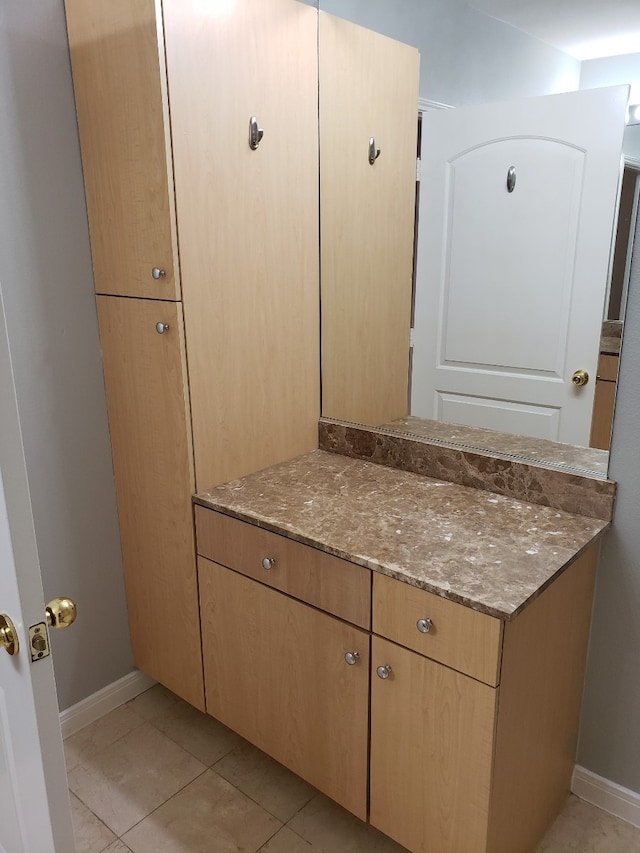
(466, 59)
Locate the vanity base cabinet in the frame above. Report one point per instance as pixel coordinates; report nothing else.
(543, 665)
(275, 672)
(145, 383)
(459, 766)
(431, 752)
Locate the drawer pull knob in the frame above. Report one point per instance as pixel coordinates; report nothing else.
(352, 658)
(424, 625)
(157, 273)
(383, 671)
(161, 328)
(268, 563)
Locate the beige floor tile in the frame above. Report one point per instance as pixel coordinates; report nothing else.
(328, 827)
(153, 702)
(90, 834)
(117, 847)
(196, 732)
(271, 785)
(99, 734)
(126, 780)
(286, 841)
(208, 816)
(586, 829)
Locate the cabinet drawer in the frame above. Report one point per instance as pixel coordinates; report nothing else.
(327, 582)
(462, 638)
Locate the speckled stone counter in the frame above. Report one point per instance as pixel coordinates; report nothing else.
(555, 483)
(488, 551)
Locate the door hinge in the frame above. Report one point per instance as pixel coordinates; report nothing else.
(411, 338)
(418, 169)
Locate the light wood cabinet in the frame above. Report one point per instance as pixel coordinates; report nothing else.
(145, 381)
(248, 228)
(604, 401)
(431, 752)
(120, 85)
(460, 766)
(164, 94)
(276, 673)
(470, 732)
(368, 88)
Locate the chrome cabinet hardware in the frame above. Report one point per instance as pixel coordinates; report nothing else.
(268, 563)
(157, 273)
(161, 328)
(580, 378)
(374, 151)
(352, 658)
(511, 179)
(255, 133)
(8, 635)
(424, 625)
(383, 671)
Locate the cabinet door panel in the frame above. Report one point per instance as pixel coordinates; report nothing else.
(368, 87)
(275, 672)
(431, 753)
(119, 80)
(145, 382)
(248, 228)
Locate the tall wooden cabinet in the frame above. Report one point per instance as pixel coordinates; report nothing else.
(368, 91)
(210, 341)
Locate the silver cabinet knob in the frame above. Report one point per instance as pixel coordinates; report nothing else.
(157, 273)
(161, 328)
(268, 563)
(352, 658)
(424, 625)
(383, 671)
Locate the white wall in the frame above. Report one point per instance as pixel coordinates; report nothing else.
(465, 56)
(609, 71)
(45, 271)
(610, 730)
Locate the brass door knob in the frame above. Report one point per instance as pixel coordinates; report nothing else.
(580, 378)
(8, 635)
(61, 612)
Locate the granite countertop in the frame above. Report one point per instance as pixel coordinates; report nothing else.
(487, 551)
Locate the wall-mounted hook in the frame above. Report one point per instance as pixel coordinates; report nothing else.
(255, 133)
(511, 179)
(374, 151)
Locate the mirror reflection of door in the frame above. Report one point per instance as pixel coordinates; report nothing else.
(538, 255)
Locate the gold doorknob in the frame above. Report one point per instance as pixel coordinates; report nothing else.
(580, 378)
(61, 612)
(8, 635)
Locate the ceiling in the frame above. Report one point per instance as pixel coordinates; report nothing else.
(586, 29)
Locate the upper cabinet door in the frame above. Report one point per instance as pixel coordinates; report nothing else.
(248, 223)
(368, 91)
(119, 78)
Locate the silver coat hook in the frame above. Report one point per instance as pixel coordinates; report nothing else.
(255, 133)
(374, 151)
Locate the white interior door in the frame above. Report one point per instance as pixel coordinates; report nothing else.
(511, 284)
(34, 800)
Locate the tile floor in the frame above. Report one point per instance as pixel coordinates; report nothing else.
(156, 776)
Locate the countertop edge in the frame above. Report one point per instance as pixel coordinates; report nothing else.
(373, 565)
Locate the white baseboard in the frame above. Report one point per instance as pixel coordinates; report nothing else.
(607, 795)
(98, 704)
